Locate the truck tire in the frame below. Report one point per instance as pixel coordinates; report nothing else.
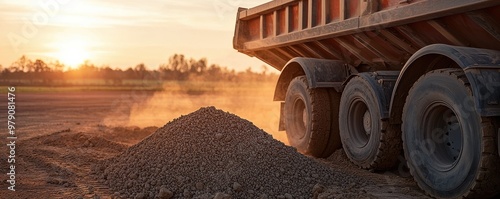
(334, 142)
(368, 141)
(307, 118)
(448, 146)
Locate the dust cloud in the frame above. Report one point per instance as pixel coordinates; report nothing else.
(250, 100)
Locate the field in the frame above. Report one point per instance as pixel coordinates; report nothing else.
(62, 132)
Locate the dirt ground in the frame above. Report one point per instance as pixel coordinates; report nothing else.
(61, 135)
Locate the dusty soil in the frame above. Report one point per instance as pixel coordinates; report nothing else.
(62, 135)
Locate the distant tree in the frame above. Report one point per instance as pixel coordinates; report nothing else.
(40, 66)
(57, 66)
(117, 76)
(177, 68)
(129, 73)
(215, 72)
(5, 75)
(140, 71)
(140, 67)
(107, 74)
(2, 78)
(197, 67)
(41, 71)
(88, 70)
(20, 65)
(179, 63)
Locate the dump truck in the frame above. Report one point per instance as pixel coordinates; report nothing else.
(383, 78)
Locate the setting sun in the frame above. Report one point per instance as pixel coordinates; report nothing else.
(72, 53)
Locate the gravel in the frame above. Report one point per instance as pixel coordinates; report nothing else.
(214, 154)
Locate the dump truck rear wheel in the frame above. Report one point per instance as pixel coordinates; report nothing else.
(368, 141)
(307, 118)
(449, 148)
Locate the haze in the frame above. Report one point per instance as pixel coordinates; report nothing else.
(121, 33)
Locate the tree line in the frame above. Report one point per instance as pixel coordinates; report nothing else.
(178, 68)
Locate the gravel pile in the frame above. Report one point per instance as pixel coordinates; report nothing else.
(213, 154)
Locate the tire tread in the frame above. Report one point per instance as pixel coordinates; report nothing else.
(320, 125)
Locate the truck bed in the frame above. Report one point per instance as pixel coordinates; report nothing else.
(376, 34)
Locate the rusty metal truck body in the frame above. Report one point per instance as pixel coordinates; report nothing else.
(378, 77)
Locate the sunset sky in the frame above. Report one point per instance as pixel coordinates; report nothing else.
(121, 33)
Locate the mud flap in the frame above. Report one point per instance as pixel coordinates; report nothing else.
(282, 117)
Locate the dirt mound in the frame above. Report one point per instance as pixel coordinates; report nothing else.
(73, 140)
(213, 154)
(126, 135)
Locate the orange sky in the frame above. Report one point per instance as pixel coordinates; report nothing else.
(122, 33)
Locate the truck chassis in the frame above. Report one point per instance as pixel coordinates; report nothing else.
(382, 77)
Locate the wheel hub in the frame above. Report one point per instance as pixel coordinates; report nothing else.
(453, 138)
(300, 119)
(360, 123)
(304, 117)
(445, 136)
(367, 122)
